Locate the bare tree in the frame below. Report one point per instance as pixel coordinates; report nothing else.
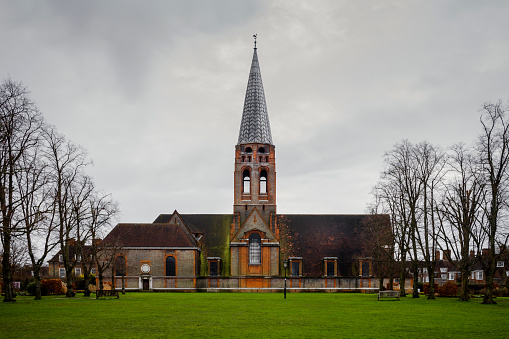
(103, 210)
(378, 242)
(37, 211)
(430, 162)
(493, 150)
(19, 125)
(460, 210)
(402, 173)
(71, 187)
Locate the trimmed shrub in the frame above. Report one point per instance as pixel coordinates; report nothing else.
(53, 286)
(449, 289)
(425, 288)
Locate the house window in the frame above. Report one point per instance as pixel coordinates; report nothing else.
(426, 279)
(500, 264)
(424, 270)
(77, 271)
(246, 188)
(443, 269)
(60, 257)
(451, 276)
(330, 268)
(472, 276)
(170, 266)
(444, 276)
(92, 271)
(255, 249)
(263, 182)
(79, 258)
(120, 265)
(61, 272)
(479, 275)
(295, 269)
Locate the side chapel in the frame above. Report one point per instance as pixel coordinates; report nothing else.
(246, 249)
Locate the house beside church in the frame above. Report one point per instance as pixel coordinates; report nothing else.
(246, 250)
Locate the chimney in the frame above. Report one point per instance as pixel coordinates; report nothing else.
(485, 252)
(447, 255)
(437, 255)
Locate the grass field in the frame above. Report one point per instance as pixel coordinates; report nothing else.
(252, 315)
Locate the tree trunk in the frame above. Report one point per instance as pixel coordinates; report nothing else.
(6, 268)
(464, 286)
(123, 283)
(431, 275)
(68, 280)
(488, 297)
(37, 277)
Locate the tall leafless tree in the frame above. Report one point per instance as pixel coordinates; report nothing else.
(71, 187)
(430, 162)
(20, 121)
(459, 211)
(493, 151)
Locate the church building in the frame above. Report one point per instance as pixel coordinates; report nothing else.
(248, 249)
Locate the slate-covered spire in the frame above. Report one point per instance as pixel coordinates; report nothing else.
(255, 126)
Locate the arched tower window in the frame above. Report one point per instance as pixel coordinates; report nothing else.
(170, 266)
(246, 180)
(255, 249)
(263, 182)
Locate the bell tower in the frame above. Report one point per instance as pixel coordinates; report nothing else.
(255, 154)
(254, 235)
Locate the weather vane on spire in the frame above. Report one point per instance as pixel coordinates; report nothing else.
(254, 36)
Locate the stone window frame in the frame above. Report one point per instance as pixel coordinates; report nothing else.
(328, 260)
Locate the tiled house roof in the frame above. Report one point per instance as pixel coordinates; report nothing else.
(150, 235)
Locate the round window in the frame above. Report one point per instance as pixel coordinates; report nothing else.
(145, 268)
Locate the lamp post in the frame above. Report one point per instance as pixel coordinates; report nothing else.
(285, 264)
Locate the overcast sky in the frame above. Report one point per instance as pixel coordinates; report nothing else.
(154, 90)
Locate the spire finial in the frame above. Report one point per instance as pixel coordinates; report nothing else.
(254, 36)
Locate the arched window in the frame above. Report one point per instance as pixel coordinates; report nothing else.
(263, 182)
(242, 159)
(246, 187)
(261, 150)
(170, 266)
(249, 150)
(255, 249)
(120, 265)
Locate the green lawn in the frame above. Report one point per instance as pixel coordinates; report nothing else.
(252, 315)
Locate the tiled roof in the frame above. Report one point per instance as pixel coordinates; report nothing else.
(314, 237)
(150, 235)
(255, 126)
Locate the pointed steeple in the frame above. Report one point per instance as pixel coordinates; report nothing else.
(255, 126)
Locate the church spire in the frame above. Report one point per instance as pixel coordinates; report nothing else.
(255, 126)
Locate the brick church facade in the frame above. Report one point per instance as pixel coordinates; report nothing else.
(244, 250)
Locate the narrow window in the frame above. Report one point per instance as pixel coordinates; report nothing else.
(77, 271)
(255, 249)
(365, 268)
(263, 182)
(480, 275)
(60, 257)
(295, 268)
(249, 159)
(92, 270)
(330, 268)
(266, 159)
(243, 159)
(214, 268)
(61, 272)
(120, 265)
(170, 266)
(246, 182)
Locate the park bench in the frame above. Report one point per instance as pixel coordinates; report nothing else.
(388, 294)
(106, 293)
